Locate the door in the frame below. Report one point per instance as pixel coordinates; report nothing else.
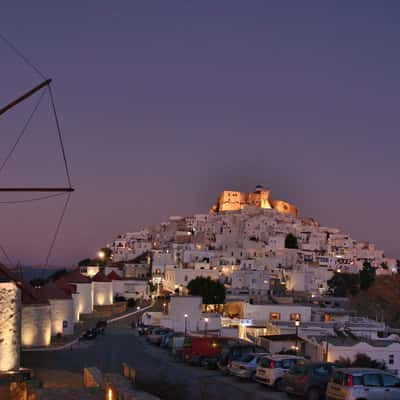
(373, 388)
(391, 387)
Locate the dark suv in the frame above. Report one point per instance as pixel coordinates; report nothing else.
(308, 380)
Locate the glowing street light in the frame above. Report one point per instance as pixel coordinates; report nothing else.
(101, 255)
(165, 307)
(205, 326)
(297, 325)
(186, 317)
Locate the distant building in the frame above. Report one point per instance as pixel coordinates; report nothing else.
(230, 200)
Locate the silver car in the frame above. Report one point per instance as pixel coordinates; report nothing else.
(246, 366)
(363, 383)
(271, 369)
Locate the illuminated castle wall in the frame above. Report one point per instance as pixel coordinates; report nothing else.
(230, 200)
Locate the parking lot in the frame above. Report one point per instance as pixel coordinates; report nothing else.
(157, 371)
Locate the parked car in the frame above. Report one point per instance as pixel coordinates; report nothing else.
(101, 327)
(146, 329)
(271, 369)
(233, 352)
(197, 350)
(308, 380)
(89, 334)
(363, 384)
(166, 339)
(156, 335)
(246, 366)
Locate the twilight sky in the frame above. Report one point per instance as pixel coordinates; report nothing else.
(164, 104)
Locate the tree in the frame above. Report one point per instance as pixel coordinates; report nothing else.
(344, 284)
(361, 360)
(55, 276)
(85, 262)
(131, 302)
(384, 265)
(38, 282)
(211, 291)
(367, 276)
(291, 241)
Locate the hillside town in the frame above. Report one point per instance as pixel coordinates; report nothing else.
(250, 274)
(139, 260)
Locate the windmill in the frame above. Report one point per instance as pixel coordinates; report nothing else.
(45, 192)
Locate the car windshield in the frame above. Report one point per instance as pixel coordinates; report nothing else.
(247, 358)
(298, 369)
(265, 362)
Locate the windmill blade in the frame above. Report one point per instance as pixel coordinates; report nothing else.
(25, 96)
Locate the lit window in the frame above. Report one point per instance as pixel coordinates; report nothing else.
(274, 316)
(295, 317)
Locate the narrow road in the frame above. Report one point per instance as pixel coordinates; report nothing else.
(157, 372)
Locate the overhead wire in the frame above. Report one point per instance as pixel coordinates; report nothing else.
(22, 56)
(57, 230)
(50, 196)
(3, 250)
(60, 136)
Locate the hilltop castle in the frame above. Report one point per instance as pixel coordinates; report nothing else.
(230, 200)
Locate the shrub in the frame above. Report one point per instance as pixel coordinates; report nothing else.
(131, 303)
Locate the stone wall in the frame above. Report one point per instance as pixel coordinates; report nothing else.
(85, 298)
(36, 325)
(102, 293)
(109, 310)
(285, 208)
(62, 317)
(10, 326)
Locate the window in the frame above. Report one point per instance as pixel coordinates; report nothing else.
(186, 278)
(287, 364)
(390, 381)
(321, 370)
(327, 317)
(391, 358)
(339, 378)
(372, 380)
(295, 317)
(274, 316)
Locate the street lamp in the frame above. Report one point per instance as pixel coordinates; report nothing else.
(297, 325)
(137, 310)
(205, 326)
(100, 257)
(186, 317)
(165, 307)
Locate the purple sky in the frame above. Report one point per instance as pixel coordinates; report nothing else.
(164, 104)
